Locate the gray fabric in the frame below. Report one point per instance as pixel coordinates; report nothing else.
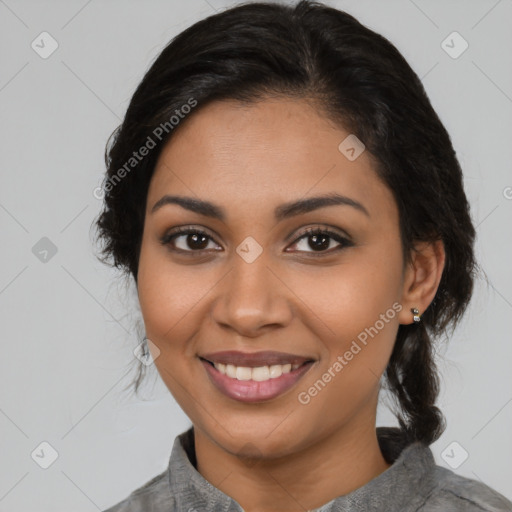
(413, 483)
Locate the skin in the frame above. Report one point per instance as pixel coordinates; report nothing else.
(278, 455)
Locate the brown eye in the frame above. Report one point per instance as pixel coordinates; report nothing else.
(187, 240)
(321, 241)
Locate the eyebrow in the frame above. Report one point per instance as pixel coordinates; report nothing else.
(282, 212)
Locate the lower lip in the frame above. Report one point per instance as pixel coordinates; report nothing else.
(251, 390)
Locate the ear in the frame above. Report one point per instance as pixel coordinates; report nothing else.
(421, 279)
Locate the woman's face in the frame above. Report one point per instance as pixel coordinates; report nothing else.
(257, 281)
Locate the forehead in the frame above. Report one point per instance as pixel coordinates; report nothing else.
(263, 154)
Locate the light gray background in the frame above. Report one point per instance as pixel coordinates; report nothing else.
(69, 326)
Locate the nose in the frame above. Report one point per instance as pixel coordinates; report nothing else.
(252, 299)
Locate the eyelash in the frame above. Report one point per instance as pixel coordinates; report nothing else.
(345, 242)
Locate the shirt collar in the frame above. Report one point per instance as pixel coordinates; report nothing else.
(411, 469)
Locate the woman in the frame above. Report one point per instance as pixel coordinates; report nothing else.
(292, 212)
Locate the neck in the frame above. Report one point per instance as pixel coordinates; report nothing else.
(335, 465)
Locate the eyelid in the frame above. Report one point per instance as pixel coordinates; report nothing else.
(324, 228)
(341, 237)
(174, 233)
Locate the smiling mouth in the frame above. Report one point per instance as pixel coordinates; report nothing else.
(255, 373)
(252, 384)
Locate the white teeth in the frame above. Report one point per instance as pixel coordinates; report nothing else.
(243, 373)
(230, 370)
(260, 373)
(275, 371)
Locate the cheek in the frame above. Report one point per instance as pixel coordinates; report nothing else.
(166, 296)
(358, 305)
(351, 297)
(170, 301)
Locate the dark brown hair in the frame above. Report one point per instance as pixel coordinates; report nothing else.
(358, 79)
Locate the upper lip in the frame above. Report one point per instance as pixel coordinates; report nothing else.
(254, 359)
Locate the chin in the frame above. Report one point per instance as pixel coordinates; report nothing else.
(256, 442)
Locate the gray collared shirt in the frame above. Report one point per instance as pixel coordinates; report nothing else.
(413, 483)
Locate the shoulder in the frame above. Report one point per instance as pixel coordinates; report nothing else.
(418, 484)
(154, 495)
(457, 493)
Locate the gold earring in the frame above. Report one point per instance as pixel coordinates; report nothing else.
(416, 314)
